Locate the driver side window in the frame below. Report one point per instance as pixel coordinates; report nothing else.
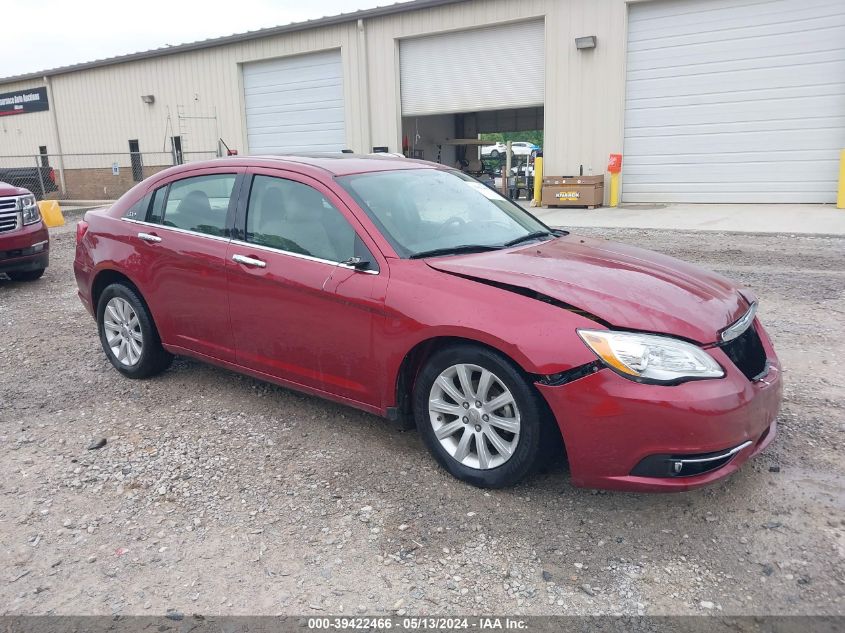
(293, 217)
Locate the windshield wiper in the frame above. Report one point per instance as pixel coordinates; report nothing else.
(455, 250)
(527, 238)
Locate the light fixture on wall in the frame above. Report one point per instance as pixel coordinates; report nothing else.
(588, 41)
(148, 99)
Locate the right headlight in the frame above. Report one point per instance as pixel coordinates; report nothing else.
(29, 209)
(651, 358)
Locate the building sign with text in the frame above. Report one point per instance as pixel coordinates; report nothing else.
(23, 101)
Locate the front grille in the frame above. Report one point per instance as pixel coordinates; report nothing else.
(747, 353)
(7, 204)
(9, 221)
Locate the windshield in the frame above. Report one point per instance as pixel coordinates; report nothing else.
(425, 210)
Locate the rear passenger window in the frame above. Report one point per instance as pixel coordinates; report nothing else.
(138, 211)
(197, 204)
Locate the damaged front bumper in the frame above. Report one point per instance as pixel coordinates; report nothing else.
(627, 436)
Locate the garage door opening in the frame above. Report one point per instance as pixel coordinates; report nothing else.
(476, 142)
(451, 92)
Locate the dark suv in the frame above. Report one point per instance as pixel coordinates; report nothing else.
(24, 241)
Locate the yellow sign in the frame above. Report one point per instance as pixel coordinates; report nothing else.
(568, 195)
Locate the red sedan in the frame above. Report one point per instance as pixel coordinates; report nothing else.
(412, 291)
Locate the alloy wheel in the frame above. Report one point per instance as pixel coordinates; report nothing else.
(474, 416)
(123, 331)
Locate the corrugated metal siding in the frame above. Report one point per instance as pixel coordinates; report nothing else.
(101, 109)
(734, 101)
(431, 82)
(583, 90)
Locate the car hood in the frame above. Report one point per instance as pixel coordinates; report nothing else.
(10, 190)
(624, 286)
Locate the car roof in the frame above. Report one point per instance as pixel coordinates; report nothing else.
(336, 164)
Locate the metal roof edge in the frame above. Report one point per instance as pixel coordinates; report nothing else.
(391, 9)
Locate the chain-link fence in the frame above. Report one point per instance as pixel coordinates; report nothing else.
(89, 177)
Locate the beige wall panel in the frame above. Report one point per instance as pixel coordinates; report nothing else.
(100, 109)
(584, 90)
(22, 134)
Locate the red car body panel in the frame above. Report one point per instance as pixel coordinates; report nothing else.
(16, 245)
(186, 284)
(310, 323)
(344, 335)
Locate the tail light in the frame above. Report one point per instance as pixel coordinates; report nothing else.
(52, 175)
(81, 230)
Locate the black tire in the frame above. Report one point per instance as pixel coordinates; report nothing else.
(26, 275)
(494, 153)
(535, 427)
(154, 359)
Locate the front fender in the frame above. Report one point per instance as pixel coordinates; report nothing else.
(539, 337)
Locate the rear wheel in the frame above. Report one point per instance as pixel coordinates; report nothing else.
(128, 334)
(26, 275)
(479, 416)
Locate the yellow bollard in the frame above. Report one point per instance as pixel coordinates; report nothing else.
(840, 196)
(51, 212)
(538, 180)
(614, 189)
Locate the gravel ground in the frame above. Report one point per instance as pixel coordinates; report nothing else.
(220, 494)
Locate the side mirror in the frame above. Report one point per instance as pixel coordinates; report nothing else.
(357, 263)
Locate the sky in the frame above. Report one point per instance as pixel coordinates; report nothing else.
(51, 33)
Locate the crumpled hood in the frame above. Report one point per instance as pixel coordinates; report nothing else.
(625, 286)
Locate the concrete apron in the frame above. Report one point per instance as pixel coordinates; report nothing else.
(804, 219)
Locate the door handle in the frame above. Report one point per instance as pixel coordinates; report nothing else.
(149, 237)
(249, 261)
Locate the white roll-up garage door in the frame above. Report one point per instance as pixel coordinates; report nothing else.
(457, 72)
(734, 100)
(295, 104)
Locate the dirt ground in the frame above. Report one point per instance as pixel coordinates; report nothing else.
(220, 494)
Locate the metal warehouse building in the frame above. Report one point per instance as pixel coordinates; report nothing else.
(708, 100)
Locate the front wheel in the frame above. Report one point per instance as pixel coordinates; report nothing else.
(494, 153)
(128, 334)
(478, 416)
(25, 275)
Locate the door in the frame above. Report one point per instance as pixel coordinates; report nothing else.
(135, 159)
(298, 313)
(734, 101)
(295, 104)
(458, 71)
(183, 242)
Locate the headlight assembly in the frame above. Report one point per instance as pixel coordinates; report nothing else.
(651, 358)
(29, 209)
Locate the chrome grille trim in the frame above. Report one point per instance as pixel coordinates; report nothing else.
(738, 327)
(714, 458)
(9, 221)
(9, 203)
